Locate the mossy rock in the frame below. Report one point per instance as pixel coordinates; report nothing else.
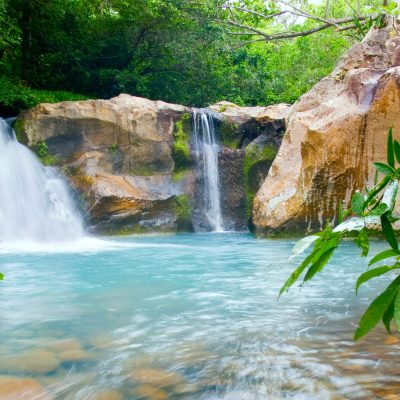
(229, 134)
(183, 208)
(20, 130)
(181, 145)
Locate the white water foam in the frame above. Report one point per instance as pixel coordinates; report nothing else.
(206, 150)
(35, 202)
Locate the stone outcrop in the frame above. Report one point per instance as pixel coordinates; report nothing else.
(129, 158)
(334, 134)
(117, 154)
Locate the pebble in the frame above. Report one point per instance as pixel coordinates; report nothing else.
(60, 346)
(30, 362)
(157, 377)
(15, 388)
(111, 394)
(390, 339)
(74, 356)
(151, 392)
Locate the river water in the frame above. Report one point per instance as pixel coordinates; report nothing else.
(188, 316)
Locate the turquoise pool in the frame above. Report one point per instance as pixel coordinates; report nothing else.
(188, 316)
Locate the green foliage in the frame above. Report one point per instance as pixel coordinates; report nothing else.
(180, 147)
(176, 51)
(377, 206)
(113, 149)
(16, 97)
(42, 151)
(229, 133)
(182, 207)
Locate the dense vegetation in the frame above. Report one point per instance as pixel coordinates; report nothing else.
(179, 51)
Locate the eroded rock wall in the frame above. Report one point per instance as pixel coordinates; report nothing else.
(334, 134)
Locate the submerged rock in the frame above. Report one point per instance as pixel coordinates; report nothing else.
(30, 362)
(156, 377)
(150, 392)
(334, 134)
(13, 388)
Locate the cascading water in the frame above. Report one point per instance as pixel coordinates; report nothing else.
(206, 151)
(35, 202)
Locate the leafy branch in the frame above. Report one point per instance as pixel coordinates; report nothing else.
(376, 207)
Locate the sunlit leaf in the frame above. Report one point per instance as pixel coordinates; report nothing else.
(389, 197)
(388, 232)
(377, 309)
(1, 276)
(357, 203)
(319, 264)
(372, 273)
(378, 210)
(294, 276)
(384, 169)
(352, 224)
(388, 315)
(383, 255)
(397, 311)
(303, 244)
(397, 150)
(375, 190)
(362, 242)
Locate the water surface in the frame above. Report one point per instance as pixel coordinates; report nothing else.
(190, 316)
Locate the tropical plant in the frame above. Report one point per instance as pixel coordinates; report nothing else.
(374, 208)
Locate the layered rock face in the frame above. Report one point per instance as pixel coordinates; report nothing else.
(129, 158)
(118, 155)
(334, 134)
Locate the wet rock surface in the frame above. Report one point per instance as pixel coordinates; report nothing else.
(334, 134)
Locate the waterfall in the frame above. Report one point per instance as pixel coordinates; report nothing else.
(206, 152)
(35, 202)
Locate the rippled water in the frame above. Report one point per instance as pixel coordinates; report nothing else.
(189, 316)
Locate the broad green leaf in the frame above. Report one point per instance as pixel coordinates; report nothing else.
(357, 203)
(352, 224)
(372, 273)
(377, 309)
(375, 190)
(397, 311)
(1, 276)
(389, 197)
(319, 264)
(303, 244)
(397, 150)
(376, 177)
(295, 274)
(388, 315)
(378, 210)
(383, 255)
(390, 150)
(388, 232)
(362, 242)
(384, 169)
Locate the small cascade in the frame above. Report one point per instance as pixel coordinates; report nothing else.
(35, 202)
(206, 149)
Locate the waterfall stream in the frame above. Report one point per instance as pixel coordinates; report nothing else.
(206, 151)
(35, 202)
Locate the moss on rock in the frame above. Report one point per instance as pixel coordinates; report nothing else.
(180, 147)
(229, 134)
